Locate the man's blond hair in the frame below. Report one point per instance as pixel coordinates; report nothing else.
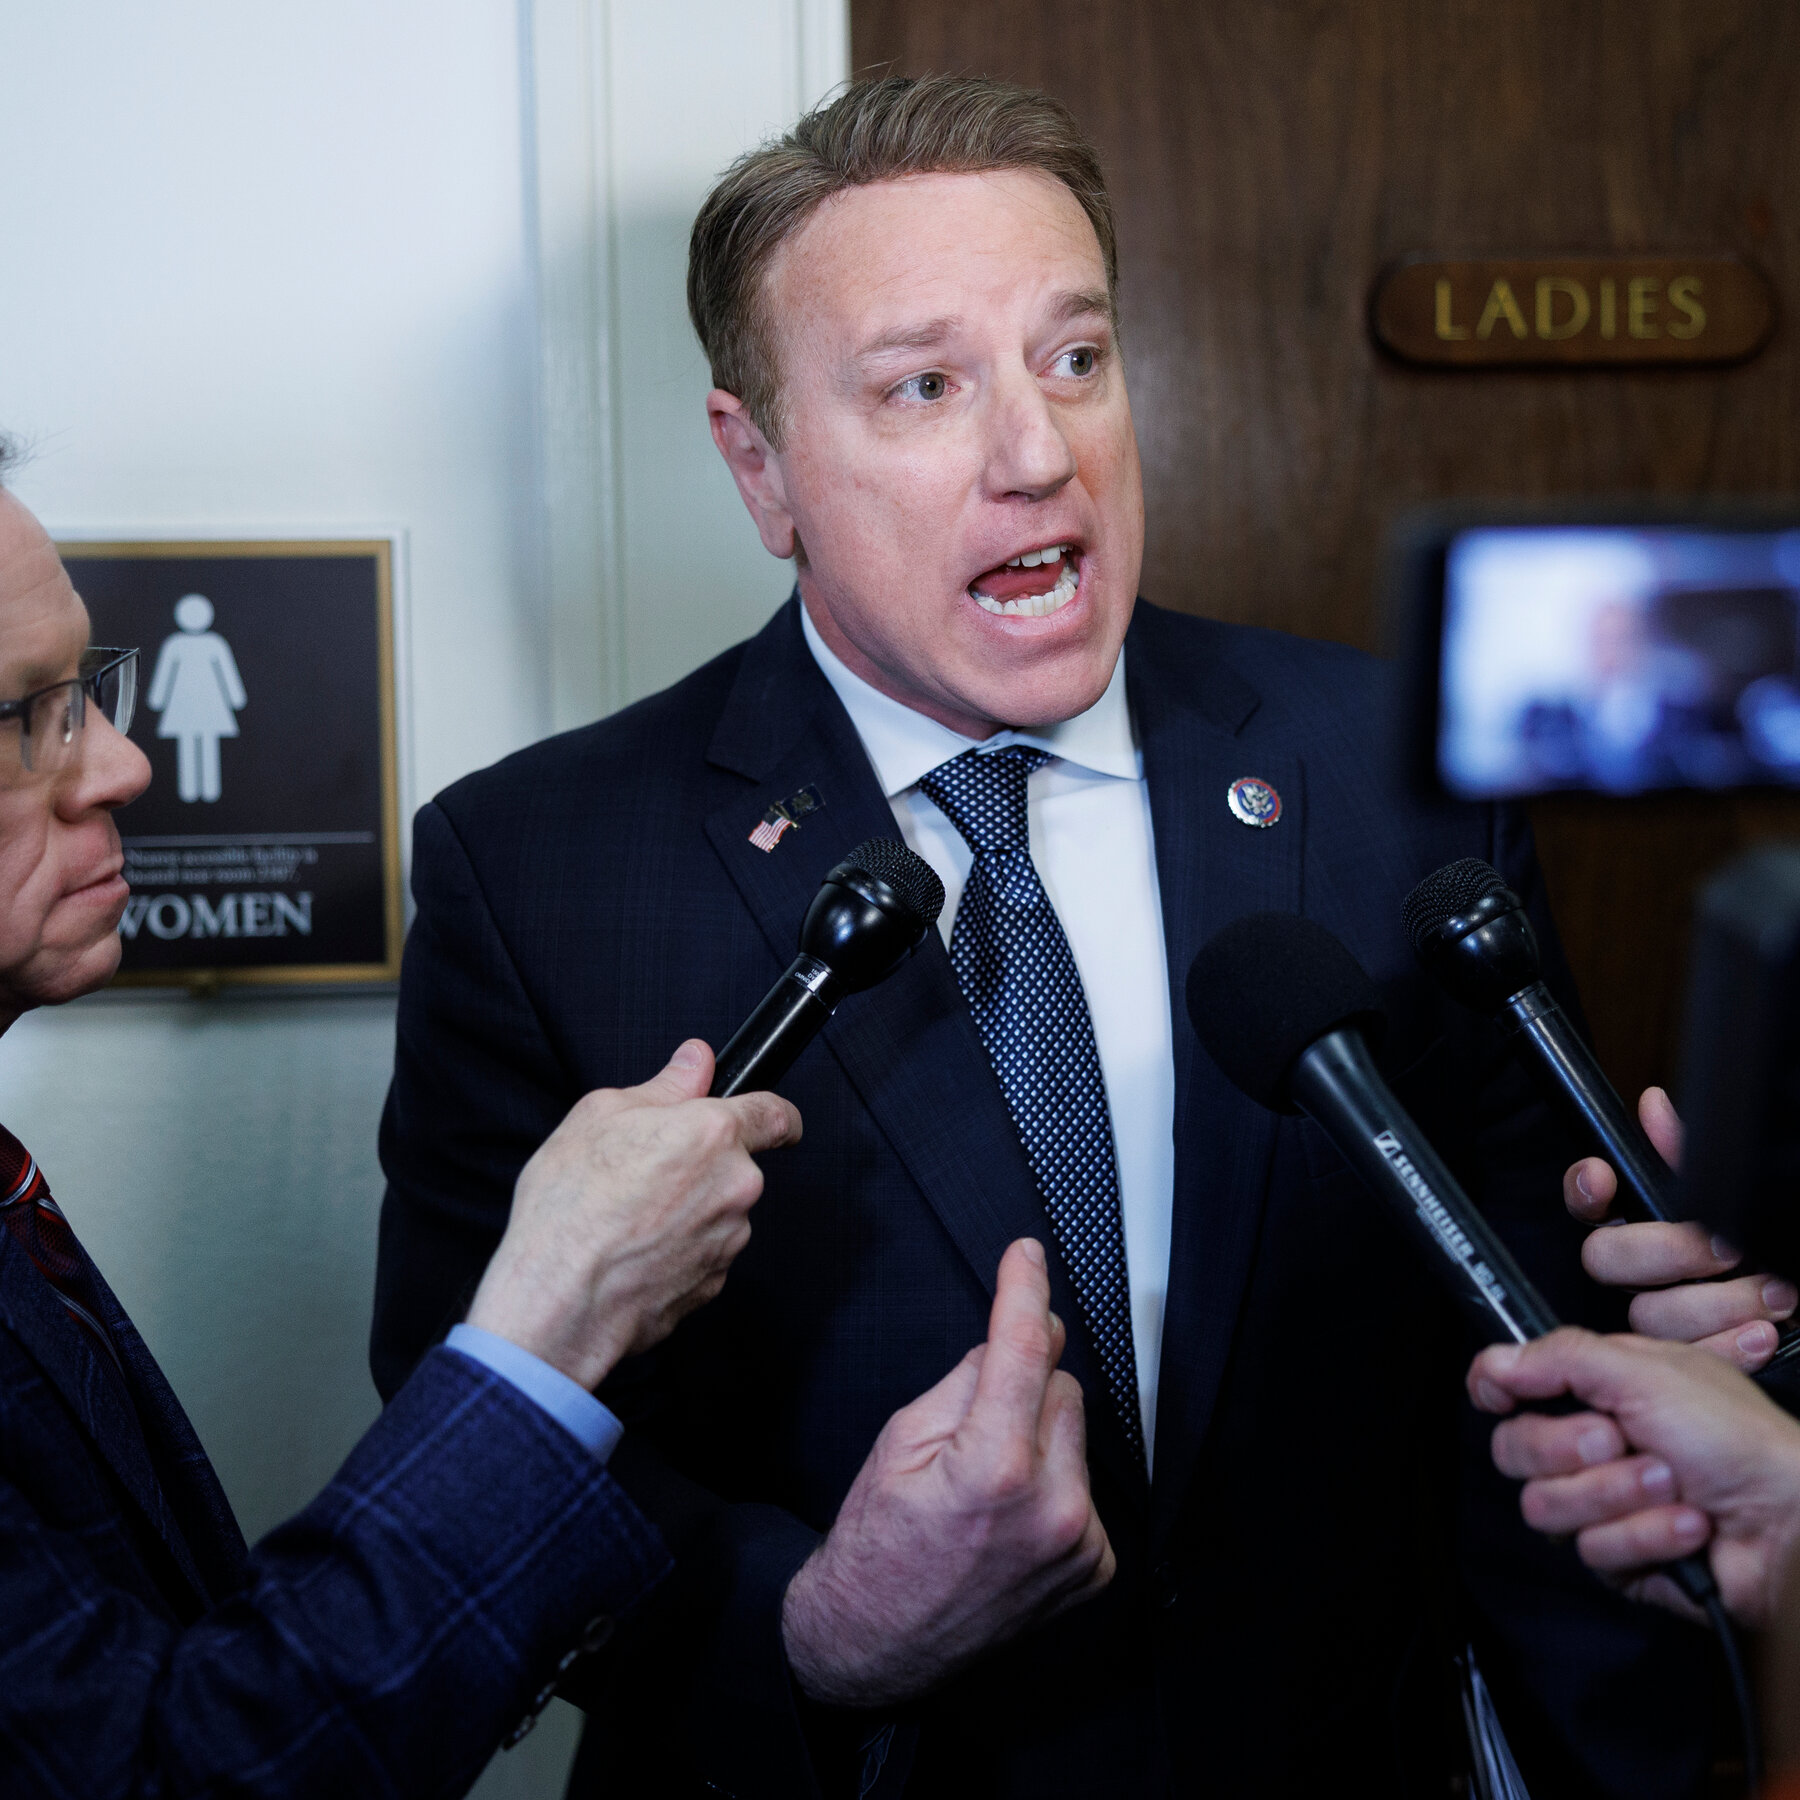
(874, 131)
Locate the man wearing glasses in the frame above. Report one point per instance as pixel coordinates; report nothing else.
(471, 1551)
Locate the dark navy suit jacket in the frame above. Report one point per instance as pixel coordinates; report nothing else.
(1323, 1521)
(380, 1643)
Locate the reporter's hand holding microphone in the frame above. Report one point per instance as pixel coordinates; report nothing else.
(1682, 1450)
(629, 1216)
(1677, 1268)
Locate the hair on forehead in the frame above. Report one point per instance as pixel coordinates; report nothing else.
(873, 131)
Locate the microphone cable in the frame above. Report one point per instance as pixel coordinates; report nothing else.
(1749, 1727)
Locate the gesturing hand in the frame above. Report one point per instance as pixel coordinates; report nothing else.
(970, 1522)
(628, 1216)
(1679, 1263)
(1714, 1458)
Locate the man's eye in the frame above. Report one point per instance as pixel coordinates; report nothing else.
(932, 386)
(1080, 362)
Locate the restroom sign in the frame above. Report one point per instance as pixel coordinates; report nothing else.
(267, 846)
(1509, 312)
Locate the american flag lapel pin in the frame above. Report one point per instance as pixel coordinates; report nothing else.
(785, 816)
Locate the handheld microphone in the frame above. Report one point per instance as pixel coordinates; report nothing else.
(1283, 1009)
(869, 916)
(1286, 1012)
(1470, 932)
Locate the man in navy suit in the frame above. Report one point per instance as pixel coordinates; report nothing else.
(909, 309)
(472, 1551)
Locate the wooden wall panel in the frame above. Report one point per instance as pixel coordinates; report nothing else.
(1268, 160)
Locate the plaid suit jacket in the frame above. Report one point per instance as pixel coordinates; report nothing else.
(381, 1642)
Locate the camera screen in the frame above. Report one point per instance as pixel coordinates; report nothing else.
(1618, 659)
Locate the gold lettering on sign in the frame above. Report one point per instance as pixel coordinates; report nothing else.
(1445, 329)
(1566, 310)
(1501, 305)
(1683, 292)
(1548, 287)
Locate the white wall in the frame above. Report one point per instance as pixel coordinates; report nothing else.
(278, 266)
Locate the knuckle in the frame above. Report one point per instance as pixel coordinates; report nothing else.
(1009, 1473)
(1065, 1521)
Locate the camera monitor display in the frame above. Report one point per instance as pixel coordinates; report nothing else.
(1614, 657)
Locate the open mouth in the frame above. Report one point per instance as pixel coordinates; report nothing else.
(1032, 585)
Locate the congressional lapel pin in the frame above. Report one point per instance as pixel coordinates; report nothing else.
(784, 816)
(1253, 801)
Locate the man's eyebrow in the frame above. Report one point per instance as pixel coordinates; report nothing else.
(1081, 305)
(27, 678)
(924, 335)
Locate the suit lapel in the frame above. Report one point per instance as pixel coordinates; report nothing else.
(1193, 725)
(909, 1048)
(30, 1308)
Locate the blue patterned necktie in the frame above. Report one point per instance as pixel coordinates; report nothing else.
(1016, 970)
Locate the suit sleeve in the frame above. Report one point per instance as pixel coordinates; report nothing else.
(1599, 1696)
(477, 1087)
(383, 1642)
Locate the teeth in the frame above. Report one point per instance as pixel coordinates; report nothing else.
(1035, 606)
(1032, 559)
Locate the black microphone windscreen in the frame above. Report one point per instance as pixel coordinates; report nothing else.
(914, 881)
(1446, 893)
(1268, 986)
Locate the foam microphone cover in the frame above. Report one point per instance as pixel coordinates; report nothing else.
(1265, 989)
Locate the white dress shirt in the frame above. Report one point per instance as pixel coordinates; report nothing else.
(1089, 814)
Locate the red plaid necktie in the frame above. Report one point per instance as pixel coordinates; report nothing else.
(43, 1233)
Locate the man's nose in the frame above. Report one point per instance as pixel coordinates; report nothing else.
(110, 771)
(1028, 453)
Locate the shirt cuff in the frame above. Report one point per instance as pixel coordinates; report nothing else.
(567, 1402)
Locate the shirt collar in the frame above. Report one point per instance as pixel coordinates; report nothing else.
(903, 744)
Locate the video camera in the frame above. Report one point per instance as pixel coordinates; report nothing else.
(1622, 651)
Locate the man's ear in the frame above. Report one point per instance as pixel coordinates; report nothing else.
(756, 469)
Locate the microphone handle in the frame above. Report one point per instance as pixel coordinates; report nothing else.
(1337, 1084)
(1644, 1178)
(1643, 1175)
(790, 1015)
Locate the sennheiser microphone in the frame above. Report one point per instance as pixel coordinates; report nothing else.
(1472, 936)
(1284, 1010)
(869, 916)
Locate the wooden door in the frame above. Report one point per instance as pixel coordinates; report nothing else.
(1269, 158)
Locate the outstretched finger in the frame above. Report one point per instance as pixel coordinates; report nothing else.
(1021, 1340)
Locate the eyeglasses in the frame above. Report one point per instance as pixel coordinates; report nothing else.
(50, 720)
